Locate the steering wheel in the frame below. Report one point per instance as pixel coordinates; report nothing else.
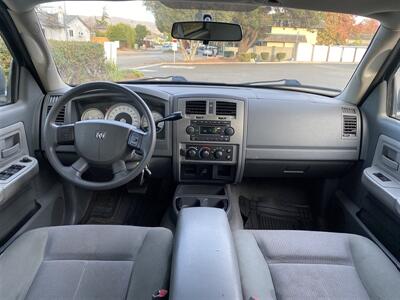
(100, 143)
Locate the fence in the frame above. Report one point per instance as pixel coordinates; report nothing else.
(304, 52)
(320, 53)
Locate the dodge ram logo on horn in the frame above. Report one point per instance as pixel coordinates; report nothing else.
(100, 135)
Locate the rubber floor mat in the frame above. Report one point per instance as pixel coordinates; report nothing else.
(270, 214)
(109, 207)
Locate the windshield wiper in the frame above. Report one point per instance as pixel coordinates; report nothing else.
(173, 78)
(285, 82)
(292, 84)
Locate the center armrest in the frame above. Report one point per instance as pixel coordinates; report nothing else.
(204, 263)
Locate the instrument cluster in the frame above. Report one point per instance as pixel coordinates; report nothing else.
(122, 112)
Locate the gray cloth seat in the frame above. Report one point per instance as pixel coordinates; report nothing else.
(280, 264)
(86, 262)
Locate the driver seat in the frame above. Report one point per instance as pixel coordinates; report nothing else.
(86, 262)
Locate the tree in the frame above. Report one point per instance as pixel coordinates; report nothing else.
(337, 29)
(255, 24)
(122, 32)
(141, 33)
(103, 21)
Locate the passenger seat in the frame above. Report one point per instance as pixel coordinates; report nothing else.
(282, 264)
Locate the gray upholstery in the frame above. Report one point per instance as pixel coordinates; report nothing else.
(86, 262)
(279, 264)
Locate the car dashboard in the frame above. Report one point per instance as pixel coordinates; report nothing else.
(228, 133)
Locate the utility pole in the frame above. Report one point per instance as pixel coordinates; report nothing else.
(64, 21)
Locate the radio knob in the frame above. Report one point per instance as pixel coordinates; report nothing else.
(191, 153)
(204, 153)
(229, 131)
(218, 154)
(190, 130)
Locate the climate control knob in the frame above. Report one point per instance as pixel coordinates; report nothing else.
(218, 154)
(191, 153)
(204, 153)
(190, 130)
(229, 131)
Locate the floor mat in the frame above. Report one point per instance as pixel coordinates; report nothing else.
(109, 207)
(143, 206)
(273, 214)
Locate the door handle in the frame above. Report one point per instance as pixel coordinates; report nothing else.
(10, 151)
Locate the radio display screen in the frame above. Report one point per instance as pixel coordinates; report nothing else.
(209, 130)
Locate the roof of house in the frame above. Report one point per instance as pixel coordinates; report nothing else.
(52, 21)
(284, 38)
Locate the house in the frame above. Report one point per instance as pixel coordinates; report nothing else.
(61, 27)
(309, 34)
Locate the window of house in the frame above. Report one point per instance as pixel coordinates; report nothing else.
(5, 70)
(71, 33)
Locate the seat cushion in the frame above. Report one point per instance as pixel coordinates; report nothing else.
(280, 264)
(86, 262)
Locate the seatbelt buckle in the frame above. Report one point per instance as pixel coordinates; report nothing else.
(160, 294)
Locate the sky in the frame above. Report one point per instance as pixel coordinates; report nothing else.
(134, 10)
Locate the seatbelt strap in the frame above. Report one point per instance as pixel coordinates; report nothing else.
(160, 294)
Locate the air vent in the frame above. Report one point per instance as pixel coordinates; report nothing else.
(226, 108)
(60, 119)
(196, 107)
(349, 126)
(348, 110)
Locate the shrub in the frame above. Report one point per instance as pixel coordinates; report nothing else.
(265, 56)
(280, 56)
(253, 55)
(5, 58)
(124, 33)
(80, 62)
(229, 54)
(244, 57)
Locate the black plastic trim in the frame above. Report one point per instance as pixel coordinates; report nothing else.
(17, 47)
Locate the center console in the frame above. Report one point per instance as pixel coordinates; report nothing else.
(209, 139)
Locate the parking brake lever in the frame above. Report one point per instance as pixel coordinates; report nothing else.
(175, 116)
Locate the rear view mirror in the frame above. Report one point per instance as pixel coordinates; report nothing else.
(207, 31)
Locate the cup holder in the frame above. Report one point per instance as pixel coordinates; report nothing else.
(184, 202)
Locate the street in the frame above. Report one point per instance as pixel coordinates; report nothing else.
(160, 64)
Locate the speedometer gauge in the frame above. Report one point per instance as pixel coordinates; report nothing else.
(156, 116)
(124, 113)
(92, 114)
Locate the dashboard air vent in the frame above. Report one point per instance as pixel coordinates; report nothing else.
(349, 126)
(60, 119)
(224, 108)
(196, 107)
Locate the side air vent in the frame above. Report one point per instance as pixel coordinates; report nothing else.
(196, 107)
(349, 126)
(60, 119)
(224, 108)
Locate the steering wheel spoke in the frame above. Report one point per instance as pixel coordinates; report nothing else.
(65, 134)
(139, 141)
(119, 169)
(78, 168)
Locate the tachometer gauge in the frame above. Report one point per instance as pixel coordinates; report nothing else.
(156, 116)
(92, 114)
(124, 113)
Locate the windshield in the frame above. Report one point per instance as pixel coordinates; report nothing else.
(131, 40)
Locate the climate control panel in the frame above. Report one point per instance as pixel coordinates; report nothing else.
(208, 152)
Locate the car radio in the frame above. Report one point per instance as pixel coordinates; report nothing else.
(210, 130)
